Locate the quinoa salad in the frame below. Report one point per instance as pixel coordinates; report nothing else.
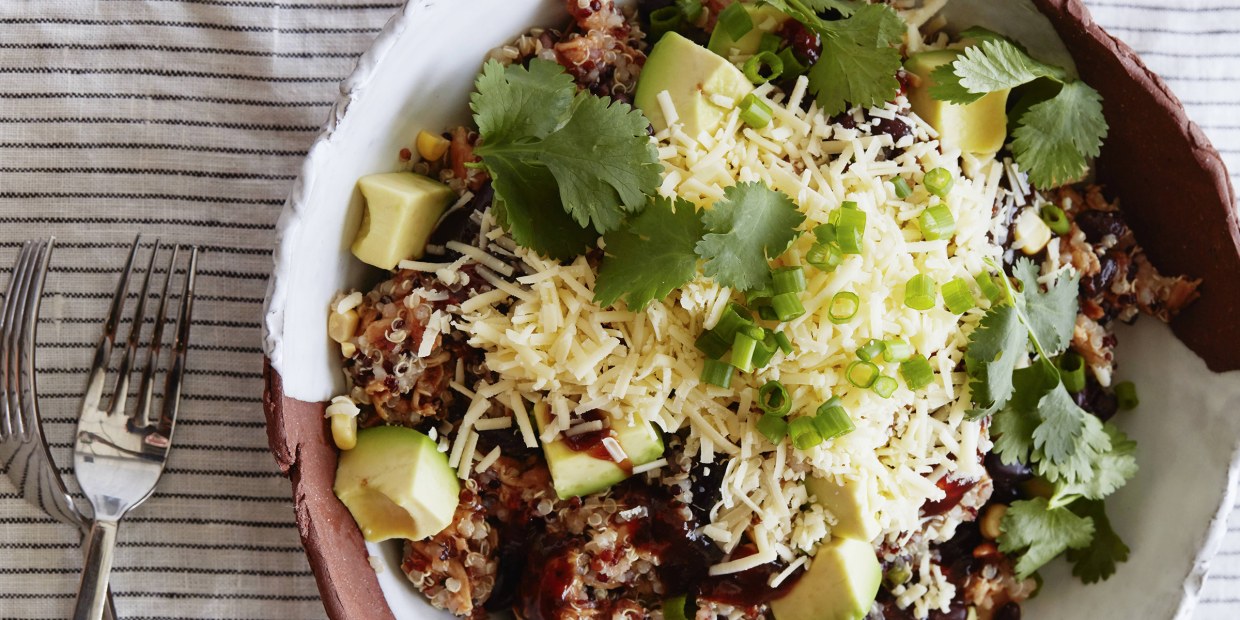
(795, 309)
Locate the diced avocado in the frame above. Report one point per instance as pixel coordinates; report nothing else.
(848, 501)
(840, 584)
(690, 74)
(979, 127)
(765, 18)
(397, 484)
(574, 473)
(401, 211)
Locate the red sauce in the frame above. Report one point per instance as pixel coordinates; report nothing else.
(748, 588)
(955, 488)
(592, 442)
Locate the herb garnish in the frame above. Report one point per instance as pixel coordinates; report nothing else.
(1036, 421)
(1059, 123)
(652, 256)
(561, 161)
(859, 61)
(749, 226)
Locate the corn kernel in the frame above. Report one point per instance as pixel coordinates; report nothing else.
(991, 520)
(347, 349)
(430, 146)
(1031, 232)
(344, 431)
(341, 326)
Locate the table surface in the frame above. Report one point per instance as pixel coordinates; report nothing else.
(189, 119)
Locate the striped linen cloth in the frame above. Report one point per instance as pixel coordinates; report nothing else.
(188, 120)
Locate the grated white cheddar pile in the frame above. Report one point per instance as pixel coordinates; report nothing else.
(553, 344)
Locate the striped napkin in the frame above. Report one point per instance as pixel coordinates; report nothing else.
(187, 120)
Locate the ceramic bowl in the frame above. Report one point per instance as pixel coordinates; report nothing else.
(1175, 193)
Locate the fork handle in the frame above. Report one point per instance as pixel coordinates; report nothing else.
(93, 589)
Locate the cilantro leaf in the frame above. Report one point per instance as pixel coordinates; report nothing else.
(516, 102)
(527, 206)
(858, 64)
(1016, 422)
(993, 64)
(652, 256)
(749, 226)
(1097, 561)
(585, 155)
(1069, 439)
(1040, 533)
(1057, 136)
(1051, 316)
(1112, 469)
(995, 346)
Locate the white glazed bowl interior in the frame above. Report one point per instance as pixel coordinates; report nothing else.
(419, 75)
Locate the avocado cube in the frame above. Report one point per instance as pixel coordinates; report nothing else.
(766, 19)
(979, 127)
(397, 484)
(575, 473)
(841, 584)
(691, 75)
(402, 209)
(848, 501)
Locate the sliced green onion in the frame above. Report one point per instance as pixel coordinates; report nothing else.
(885, 386)
(825, 233)
(861, 374)
(767, 313)
(735, 21)
(990, 289)
(1126, 394)
(743, 347)
(1055, 219)
(734, 317)
(711, 344)
(787, 306)
(665, 20)
(792, 65)
(844, 306)
(916, 372)
(717, 373)
(674, 608)
(1072, 371)
(774, 400)
(832, 420)
(871, 350)
(919, 293)
(804, 434)
(902, 188)
(768, 60)
(691, 8)
(788, 280)
(936, 223)
(773, 427)
(758, 295)
(850, 204)
(938, 181)
(850, 230)
(765, 350)
(785, 345)
(770, 42)
(825, 256)
(958, 297)
(755, 112)
(897, 350)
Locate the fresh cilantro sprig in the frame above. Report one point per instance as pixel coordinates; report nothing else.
(652, 256)
(859, 59)
(566, 165)
(1057, 131)
(749, 226)
(1036, 421)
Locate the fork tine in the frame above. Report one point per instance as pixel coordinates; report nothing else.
(9, 410)
(176, 369)
(121, 392)
(142, 413)
(99, 367)
(28, 415)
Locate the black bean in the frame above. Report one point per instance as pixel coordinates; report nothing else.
(1100, 282)
(1098, 224)
(1009, 611)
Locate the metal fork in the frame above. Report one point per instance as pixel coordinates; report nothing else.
(23, 444)
(119, 457)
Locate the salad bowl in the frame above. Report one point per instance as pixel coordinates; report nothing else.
(1174, 190)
